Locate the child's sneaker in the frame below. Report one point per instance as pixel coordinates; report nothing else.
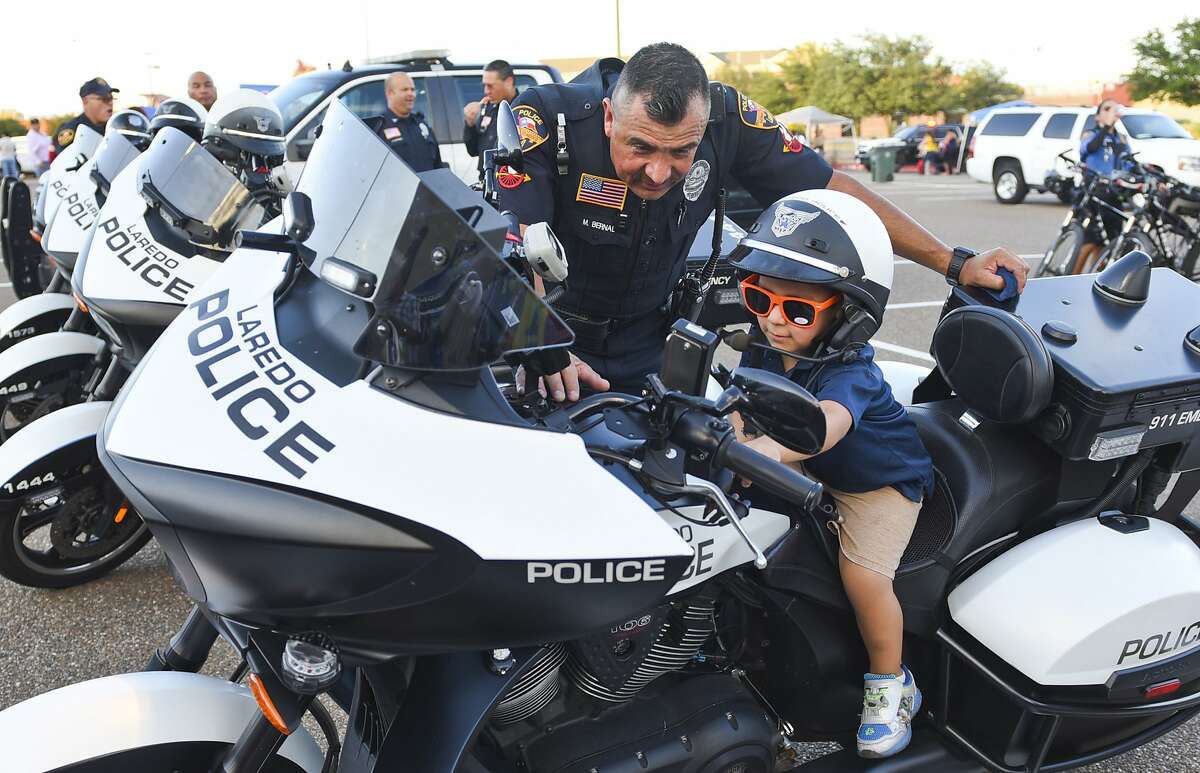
(884, 729)
(910, 699)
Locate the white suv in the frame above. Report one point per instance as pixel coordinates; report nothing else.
(1016, 148)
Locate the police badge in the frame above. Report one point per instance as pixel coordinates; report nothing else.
(697, 178)
(788, 220)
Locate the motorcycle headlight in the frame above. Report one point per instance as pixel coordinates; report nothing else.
(1189, 163)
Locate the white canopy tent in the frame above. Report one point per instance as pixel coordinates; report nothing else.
(812, 116)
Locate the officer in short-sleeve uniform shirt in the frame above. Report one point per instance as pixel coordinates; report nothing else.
(99, 106)
(627, 254)
(411, 139)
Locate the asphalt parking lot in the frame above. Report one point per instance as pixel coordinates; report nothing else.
(49, 639)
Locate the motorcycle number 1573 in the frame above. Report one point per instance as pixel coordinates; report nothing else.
(25, 485)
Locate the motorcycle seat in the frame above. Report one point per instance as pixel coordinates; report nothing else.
(990, 481)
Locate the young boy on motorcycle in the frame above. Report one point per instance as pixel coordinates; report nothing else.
(816, 270)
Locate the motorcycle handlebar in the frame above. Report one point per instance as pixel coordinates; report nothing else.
(776, 477)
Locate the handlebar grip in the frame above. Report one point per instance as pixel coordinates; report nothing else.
(259, 240)
(776, 477)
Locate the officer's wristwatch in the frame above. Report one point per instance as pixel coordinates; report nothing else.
(958, 257)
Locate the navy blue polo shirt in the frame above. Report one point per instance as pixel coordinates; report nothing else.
(882, 447)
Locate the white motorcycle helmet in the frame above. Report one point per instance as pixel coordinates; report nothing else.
(829, 238)
(183, 113)
(132, 125)
(245, 123)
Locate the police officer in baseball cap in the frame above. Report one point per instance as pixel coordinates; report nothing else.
(97, 99)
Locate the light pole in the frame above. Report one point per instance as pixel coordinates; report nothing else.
(618, 2)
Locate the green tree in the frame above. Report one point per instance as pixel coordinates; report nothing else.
(1168, 69)
(982, 84)
(767, 89)
(11, 127)
(883, 75)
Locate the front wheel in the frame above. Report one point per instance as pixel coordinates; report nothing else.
(1060, 258)
(1008, 184)
(68, 534)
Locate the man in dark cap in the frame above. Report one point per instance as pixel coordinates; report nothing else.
(97, 99)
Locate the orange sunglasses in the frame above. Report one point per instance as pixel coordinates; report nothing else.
(799, 312)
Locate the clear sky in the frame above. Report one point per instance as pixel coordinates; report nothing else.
(141, 46)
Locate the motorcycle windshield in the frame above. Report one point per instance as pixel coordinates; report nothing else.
(80, 150)
(194, 190)
(443, 298)
(114, 154)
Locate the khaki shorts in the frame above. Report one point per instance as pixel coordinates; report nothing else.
(874, 527)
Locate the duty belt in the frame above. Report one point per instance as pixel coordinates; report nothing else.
(591, 332)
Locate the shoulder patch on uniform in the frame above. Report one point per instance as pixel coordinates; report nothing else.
(66, 136)
(530, 127)
(509, 178)
(791, 143)
(755, 115)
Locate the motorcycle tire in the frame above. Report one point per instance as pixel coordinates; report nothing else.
(20, 409)
(1060, 258)
(61, 540)
(1122, 246)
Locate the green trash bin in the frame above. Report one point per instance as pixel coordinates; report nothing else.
(883, 163)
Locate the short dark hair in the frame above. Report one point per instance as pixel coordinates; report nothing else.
(668, 76)
(32, 121)
(501, 67)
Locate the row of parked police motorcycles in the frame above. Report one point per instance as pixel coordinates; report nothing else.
(304, 396)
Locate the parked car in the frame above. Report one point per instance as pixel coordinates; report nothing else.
(908, 139)
(442, 89)
(1016, 148)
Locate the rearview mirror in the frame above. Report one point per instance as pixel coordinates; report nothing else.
(298, 221)
(508, 139)
(782, 409)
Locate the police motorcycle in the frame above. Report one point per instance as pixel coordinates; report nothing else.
(24, 223)
(80, 195)
(166, 225)
(126, 136)
(637, 616)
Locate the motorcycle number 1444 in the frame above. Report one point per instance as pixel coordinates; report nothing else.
(28, 483)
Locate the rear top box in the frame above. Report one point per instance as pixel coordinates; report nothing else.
(1125, 376)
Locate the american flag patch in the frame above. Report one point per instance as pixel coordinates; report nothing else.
(601, 191)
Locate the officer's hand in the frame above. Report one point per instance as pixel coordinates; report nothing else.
(564, 385)
(980, 271)
(471, 113)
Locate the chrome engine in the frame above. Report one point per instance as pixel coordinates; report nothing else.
(534, 689)
(616, 667)
(613, 666)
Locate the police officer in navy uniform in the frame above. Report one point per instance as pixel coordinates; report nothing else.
(97, 99)
(479, 130)
(625, 163)
(405, 131)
